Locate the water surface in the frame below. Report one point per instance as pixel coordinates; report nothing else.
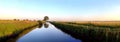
(47, 33)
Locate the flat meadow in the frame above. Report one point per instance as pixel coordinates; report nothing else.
(10, 27)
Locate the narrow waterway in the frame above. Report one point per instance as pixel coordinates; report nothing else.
(47, 33)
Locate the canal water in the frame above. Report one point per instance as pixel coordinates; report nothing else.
(46, 33)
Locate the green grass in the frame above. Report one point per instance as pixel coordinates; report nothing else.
(111, 24)
(97, 32)
(9, 27)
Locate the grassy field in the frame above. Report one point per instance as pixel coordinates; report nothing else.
(103, 24)
(96, 31)
(9, 27)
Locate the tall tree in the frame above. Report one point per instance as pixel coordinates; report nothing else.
(46, 18)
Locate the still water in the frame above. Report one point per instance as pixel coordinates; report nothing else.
(47, 33)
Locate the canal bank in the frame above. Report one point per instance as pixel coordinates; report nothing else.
(47, 33)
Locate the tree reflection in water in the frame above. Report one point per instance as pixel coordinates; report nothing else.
(46, 25)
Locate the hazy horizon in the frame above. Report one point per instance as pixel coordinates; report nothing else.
(67, 10)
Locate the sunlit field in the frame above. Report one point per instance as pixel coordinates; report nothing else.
(108, 31)
(9, 27)
(102, 23)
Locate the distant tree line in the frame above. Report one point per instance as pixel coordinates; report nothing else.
(46, 18)
(23, 20)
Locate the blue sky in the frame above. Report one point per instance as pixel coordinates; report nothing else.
(61, 9)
